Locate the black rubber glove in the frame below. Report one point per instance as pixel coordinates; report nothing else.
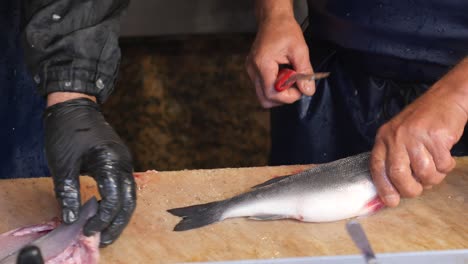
(30, 255)
(80, 141)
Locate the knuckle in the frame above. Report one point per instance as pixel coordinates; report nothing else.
(445, 165)
(382, 128)
(451, 139)
(113, 158)
(436, 133)
(119, 151)
(70, 201)
(384, 188)
(111, 209)
(397, 171)
(425, 175)
(416, 126)
(107, 215)
(300, 48)
(257, 61)
(410, 188)
(383, 185)
(424, 171)
(382, 132)
(376, 166)
(442, 136)
(400, 133)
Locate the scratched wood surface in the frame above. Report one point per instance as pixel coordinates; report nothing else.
(436, 221)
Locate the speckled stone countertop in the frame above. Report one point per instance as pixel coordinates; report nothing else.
(186, 102)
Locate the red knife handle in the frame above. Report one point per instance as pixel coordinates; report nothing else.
(283, 75)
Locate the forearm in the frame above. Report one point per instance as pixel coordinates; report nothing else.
(267, 9)
(455, 82)
(73, 46)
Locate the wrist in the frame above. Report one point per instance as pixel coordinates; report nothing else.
(267, 10)
(59, 97)
(455, 82)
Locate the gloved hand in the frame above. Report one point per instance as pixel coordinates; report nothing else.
(30, 255)
(80, 141)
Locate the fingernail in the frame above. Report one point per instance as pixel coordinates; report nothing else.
(68, 215)
(391, 199)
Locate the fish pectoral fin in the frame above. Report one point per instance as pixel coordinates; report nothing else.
(271, 181)
(267, 217)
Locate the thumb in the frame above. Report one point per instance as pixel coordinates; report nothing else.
(67, 190)
(301, 64)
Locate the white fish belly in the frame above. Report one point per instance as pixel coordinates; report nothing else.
(284, 206)
(334, 205)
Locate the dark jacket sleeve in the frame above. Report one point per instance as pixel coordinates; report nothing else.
(72, 46)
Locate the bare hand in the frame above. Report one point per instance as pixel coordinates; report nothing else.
(278, 41)
(412, 151)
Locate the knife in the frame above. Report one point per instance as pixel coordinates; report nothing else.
(360, 240)
(287, 77)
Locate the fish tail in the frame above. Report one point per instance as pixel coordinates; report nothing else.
(196, 216)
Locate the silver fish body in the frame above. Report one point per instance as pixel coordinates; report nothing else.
(328, 192)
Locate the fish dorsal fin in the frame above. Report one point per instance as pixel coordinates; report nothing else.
(270, 181)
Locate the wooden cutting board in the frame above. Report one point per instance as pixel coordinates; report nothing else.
(436, 221)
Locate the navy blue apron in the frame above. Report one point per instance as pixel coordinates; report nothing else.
(21, 107)
(381, 55)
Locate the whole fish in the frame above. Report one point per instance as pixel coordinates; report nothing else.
(328, 192)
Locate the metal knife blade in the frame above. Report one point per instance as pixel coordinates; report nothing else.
(360, 240)
(311, 77)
